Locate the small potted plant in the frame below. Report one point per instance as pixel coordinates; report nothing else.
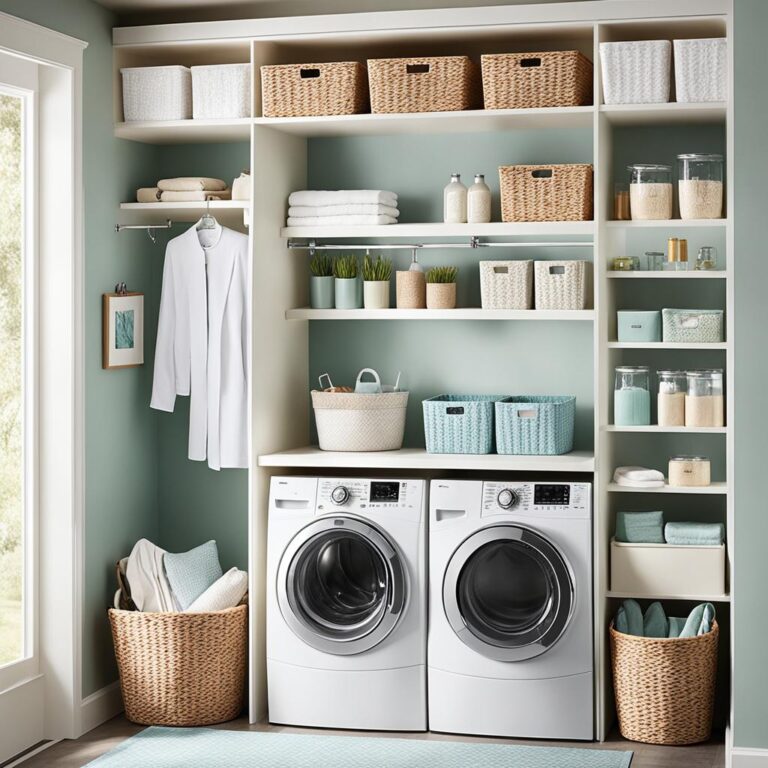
(321, 281)
(347, 284)
(376, 275)
(441, 287)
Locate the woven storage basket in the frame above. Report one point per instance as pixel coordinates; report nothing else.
(306, 90)
(546, 192)
(701, 69)
(561, 284)
(536, 425)
(699, 326)
(506, 284)
(430, 84)
(459, 423)
(636, 72)
(347, 421)
(157, 93)
(665, 688)
(181, 669)
(534, 80)
(221, 91)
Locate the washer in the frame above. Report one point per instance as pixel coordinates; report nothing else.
(346, 603)
(510, 638)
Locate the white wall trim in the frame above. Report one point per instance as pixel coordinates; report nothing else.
(100, 706)
(742, 757)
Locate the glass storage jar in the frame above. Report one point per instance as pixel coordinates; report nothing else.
(632, 396)
(650, 191)
(671, 399)
(689, 471)
(700, 186)
(704, 402)
(706, 258)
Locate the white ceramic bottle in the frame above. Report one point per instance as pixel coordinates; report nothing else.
(455, 201)
(479, 201)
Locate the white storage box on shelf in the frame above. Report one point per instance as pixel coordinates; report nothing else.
(562, 284)
(221, 91)
(506, 284)
(664, 569)
(157, 93)
(701, 69)
(636, 72)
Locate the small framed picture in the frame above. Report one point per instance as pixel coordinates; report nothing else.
(123, 330)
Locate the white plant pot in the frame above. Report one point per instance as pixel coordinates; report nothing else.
(376, 294)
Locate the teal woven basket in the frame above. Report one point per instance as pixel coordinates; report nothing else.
(535, 425)
(459, 423)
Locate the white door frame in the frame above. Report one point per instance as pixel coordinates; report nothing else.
(61, 403)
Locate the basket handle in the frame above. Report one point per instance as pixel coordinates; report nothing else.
(417, 69)
(373, 373)
(689, 321)
(501, 270)
(530, 413)
(308, 72)
(542, 173)
(531, 61)
(326, 377)
(454, 410)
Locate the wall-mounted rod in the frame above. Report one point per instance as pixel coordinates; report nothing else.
(148, 228)
(297, 245)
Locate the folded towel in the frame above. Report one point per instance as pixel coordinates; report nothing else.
(640, 527)
(194, 197)
(191, 573)
(150, 587)
(226, 592)
(191, 184)
(699, 621)
(638, 477)
(629, 618)
(148, 195)
(303, 211)
(343, 197)
(341, 221)
(694, 534)
(655, 622)
(676, 625)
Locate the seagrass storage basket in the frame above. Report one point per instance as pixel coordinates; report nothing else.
(506, 284)
(534, 80)
(561, 284)
(665, 688)
(459, 423)
(535, 425)
(429, 84)
(311, 90)
(546, 192)
(181, 669)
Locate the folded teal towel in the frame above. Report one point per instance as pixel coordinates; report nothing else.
(655, 622)
(699, 621)
(694, 534)
(640, 527)
(676, 625)
(629, 618)
(630, 621)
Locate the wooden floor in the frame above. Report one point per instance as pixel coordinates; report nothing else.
(74, 754)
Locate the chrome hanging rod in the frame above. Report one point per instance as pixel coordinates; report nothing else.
(474, 242)
(120, 227)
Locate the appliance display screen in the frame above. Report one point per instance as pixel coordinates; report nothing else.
(384, 492)
(545, 495)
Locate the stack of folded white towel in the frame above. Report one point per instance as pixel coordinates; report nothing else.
(185, 189)
(344, 207)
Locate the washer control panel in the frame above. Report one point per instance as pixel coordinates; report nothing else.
(544, 499)
(350, 494)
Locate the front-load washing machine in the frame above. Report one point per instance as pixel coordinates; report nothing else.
(510, 636)
(346, 603)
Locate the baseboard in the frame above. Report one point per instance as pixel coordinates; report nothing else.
(742, 757)
(100, 706)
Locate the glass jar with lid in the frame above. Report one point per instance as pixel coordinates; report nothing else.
(700, 186)
(689, 471)
(650, 191)
(632, 396)
(704, 401)
(671, 399)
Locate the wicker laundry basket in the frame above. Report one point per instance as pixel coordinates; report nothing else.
(665, 688)
(181, 669)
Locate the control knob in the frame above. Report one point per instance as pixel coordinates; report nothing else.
(340, 495)
(507, 498)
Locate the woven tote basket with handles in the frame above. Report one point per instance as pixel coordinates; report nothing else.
(535, 425)
(429, 84)
(506, 284)
(535, 80)
(546, 192)
(312, 90)
(459, 423)
(665, 688)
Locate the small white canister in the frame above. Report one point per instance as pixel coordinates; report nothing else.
(689, 471)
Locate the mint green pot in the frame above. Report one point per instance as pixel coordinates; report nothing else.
(321, 292)
(349, 293)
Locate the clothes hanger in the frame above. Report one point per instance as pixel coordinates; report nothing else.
(208, 221)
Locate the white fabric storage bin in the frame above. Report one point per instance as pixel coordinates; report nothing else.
(701, 69)
(506, 284)
(636, 72)
(561, 284)
(157, 93)
(664, 569)
(221, 91)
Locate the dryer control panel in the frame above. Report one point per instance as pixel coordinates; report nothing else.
(356, 494)
(542, 499)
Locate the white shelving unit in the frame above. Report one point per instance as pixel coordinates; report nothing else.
(472, 313)
(717, 489)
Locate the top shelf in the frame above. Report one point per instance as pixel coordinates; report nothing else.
(664, 114)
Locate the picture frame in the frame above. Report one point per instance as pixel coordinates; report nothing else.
(122, 330)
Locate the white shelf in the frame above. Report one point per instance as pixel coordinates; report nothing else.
(418, 458)
(156, 213)
(691, 274)
(664, 114)
(714, 489)
(185, 131)
(473, 313)
(666, 345)
(701, 598)
(668, 224)
(655, 428)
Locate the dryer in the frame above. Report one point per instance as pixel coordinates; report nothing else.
(510, 645)
(346, 603)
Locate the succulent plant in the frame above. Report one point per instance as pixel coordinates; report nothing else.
(442, 274)
(378, 269)
(321, 265)
(345, 267)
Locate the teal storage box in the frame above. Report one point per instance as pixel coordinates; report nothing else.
(635, 325)
(459, 423)
(535, 425)
(693, 326)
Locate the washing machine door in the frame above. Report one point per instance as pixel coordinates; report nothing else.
(341, 585)
(508, 593)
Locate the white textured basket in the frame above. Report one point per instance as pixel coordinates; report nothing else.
(506, 284)
(157, 93)
(221, 91)
(561, 284)
(347, 421)
(636, 72)
(701, 69)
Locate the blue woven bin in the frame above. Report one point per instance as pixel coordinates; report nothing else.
(536, 425)
(459, 423)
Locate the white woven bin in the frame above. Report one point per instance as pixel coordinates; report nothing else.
(347, 421)
(636, 72)
(701, 69)
(506, 284)
(157, 93)
(561, 284)
(221, 91)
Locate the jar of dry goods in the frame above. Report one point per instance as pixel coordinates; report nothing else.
(650, 191)
(632, 396)
(689, 471)
(700, 186)
(671, 398)
(704, 402)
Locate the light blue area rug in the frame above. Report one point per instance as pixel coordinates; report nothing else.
(208, 748)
